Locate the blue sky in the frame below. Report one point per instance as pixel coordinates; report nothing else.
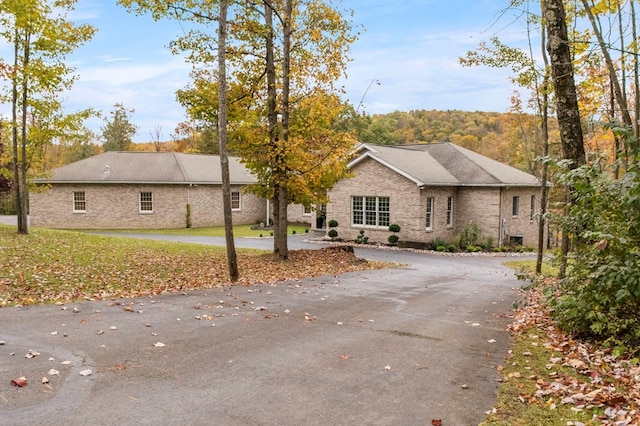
(410, 46)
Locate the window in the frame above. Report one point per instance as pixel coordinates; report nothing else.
(516, 206)
(306, 210)
(370, 211)
(429, 212)
(533, 207)
(235, 201)
(449, 211)
(146, 202)
(79, 202)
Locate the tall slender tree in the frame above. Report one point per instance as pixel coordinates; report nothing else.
(282, 54)
(42, 36)
(568, 112)
(232, 260)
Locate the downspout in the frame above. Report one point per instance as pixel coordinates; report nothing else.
(267, 214)
(500, 220)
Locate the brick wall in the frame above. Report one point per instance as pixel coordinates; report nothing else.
(117, 206)
(484, 206)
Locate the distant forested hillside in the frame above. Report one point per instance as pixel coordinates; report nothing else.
(507, 137)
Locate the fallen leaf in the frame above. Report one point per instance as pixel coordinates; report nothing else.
(45, 380)
(86, 372)
(159, 345)
(345, 357)
(19, 382)
(53, 372)
(436, 422)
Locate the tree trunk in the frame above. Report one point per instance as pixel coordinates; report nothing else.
(566, 96)
(281, 237)
(23, 227)
(20, 144)
(274, 132)
(14, 137)
(636, 73)
(222, 142)
(544, 110)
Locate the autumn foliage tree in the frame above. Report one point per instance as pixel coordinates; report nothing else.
(284, 57)
(41, 36)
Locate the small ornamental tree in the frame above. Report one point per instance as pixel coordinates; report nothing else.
(393, 239)
(332, 232)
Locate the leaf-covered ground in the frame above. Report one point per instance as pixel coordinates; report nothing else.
(552, 378)
(56, 266)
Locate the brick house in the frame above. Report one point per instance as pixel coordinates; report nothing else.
(434, 191)
(129, 190)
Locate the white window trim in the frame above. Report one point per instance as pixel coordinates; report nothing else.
(239, 208)
(364, 212)
(304, 211)
(515, 205)
(140, 203)
(73, 202)
(450, 210)
(533, 203)
(430, 210)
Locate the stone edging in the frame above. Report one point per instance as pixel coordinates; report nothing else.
(324, 240)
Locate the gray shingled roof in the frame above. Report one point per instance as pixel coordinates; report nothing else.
(150, 167)
(445, 164)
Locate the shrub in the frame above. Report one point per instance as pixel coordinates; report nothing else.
(488, 243)
(332, 233)
(437, 242)
(600, 296)
(361, 238)
(333, 223)
(452, 248)
(394, 227)
(469, 235)
(441, 248)
(393, 239)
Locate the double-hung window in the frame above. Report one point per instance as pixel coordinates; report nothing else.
(235, 201)
(449, 211)
(79, 202)
(429, 215)
(146, 202)
(515, 207)
(533, 207)
(370, 211)
(306, 210)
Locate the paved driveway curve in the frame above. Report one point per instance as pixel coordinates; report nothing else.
(388, 347)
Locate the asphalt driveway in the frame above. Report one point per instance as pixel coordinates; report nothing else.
(388, 347)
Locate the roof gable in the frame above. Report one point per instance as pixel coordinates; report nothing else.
(445, 164)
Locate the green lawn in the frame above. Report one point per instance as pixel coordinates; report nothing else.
(47, 266)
